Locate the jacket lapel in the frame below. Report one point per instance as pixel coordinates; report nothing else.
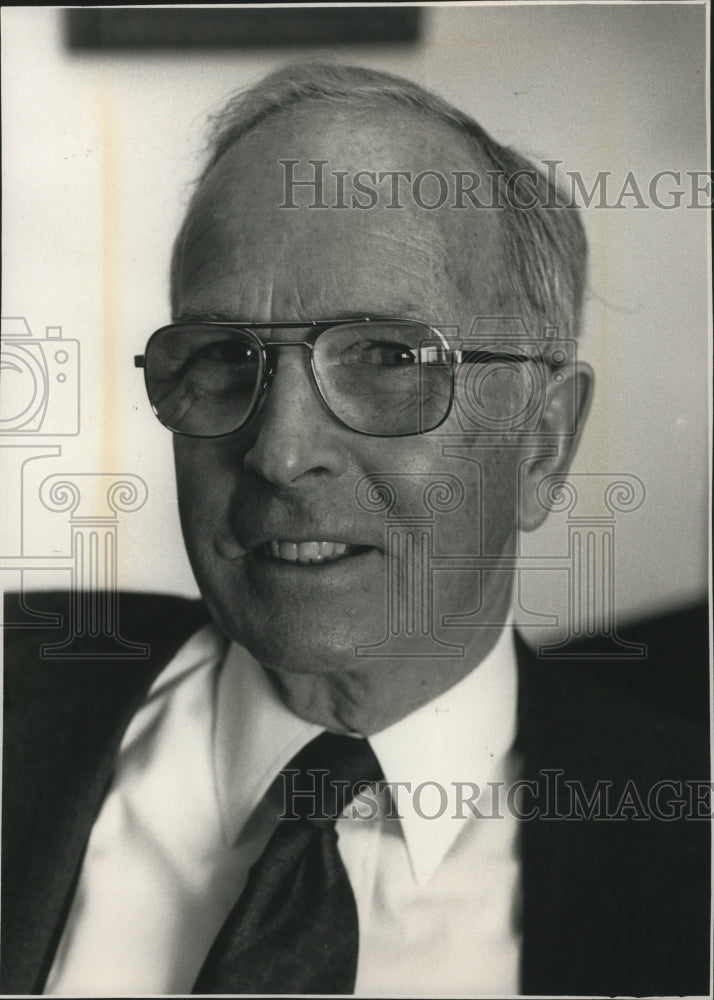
(551, 880)
(72, 714)
(609, 905)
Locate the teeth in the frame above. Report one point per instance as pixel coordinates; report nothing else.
(307, 553)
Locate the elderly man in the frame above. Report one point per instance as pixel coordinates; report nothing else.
(373, 312)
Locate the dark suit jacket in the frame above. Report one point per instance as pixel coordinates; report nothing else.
(618, 906)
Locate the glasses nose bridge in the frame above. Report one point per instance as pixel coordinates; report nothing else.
(273, 346)
(272, 350)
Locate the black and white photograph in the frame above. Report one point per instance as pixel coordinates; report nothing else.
(355, 547)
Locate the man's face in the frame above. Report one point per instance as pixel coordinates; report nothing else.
(290, 475)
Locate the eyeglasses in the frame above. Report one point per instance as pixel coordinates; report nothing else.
(382, 377)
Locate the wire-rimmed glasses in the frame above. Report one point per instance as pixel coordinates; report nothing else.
(383, 377)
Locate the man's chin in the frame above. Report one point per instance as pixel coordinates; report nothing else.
(292, 644)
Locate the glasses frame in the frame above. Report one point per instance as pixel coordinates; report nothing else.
(268, 353)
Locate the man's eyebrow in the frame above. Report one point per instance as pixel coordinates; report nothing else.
(400, 312)
(205, 316)
(218, 316)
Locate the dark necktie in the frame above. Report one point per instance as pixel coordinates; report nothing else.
(294, 928)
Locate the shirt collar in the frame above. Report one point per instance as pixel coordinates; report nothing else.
(462, 735)
(256, 735)
(201, 651)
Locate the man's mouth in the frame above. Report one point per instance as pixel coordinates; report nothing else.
(310, 553)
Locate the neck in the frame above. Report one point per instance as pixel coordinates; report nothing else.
(378, 692)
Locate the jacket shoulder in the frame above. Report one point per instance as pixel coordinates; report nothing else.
(74, 677)
(618, 753)
(44, 615)
(652, 711)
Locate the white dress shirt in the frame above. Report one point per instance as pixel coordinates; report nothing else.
(186, 817)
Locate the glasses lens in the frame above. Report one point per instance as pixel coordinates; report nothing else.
(203, 380)
(385, 378)
(500, 388)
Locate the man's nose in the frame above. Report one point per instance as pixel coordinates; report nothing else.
(294, 434)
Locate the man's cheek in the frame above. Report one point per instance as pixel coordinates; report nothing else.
(203, 521)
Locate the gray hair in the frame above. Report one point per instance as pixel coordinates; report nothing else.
(545, 244)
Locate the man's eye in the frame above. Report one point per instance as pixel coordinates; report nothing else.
(224, 352)
(219, 369)
(380, 352)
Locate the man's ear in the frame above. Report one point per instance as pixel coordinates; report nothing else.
(553, 446)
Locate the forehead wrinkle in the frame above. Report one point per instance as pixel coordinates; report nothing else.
(444, 274)
(454, 254)
(206, 241)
